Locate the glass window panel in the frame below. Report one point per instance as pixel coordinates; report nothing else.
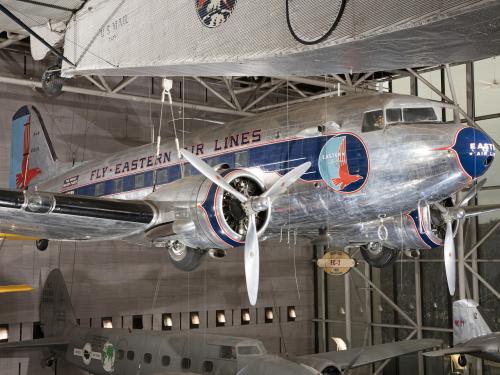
(99, 189)
(373, 120)
(393, 115)
(486, 86)
(459, 81)
(165, 361)
(139, 181)
(413, 115)
(118, 185)
(424, 91)
(148, 358)
(130, 355)
(162, 176)
(401, 86)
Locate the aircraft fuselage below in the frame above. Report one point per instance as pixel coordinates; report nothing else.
(373, 157)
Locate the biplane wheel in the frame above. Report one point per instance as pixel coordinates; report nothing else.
(462, 360)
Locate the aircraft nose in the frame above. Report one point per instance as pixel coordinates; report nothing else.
(475, 151)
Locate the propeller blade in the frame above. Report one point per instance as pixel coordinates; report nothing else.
(285, 181)
(252, 260)
(480, 210)
(471, 193)
(212, 175)
(449, 257)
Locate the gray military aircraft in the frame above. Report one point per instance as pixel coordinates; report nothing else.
(377, 171)
(130, 352)
(472, 334)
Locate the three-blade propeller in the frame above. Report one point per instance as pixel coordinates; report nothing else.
(252, 206)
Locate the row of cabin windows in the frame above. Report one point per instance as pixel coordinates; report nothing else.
(165, 360)
(163, 176)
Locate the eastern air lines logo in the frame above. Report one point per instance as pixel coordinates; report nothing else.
(214, 12)
(344, 164)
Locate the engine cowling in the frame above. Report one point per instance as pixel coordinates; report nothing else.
(204, 215)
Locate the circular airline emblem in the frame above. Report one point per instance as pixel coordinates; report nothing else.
(344, 164)
(108, 357)
(214, 12)
(87, 354)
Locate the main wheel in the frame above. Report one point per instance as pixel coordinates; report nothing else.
(462, 360)
(42, 244)
(185, 258)
(377, 255)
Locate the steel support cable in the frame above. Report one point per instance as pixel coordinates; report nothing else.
(324, 36)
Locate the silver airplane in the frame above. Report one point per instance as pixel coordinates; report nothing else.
(375, 171)
(472, 334)
(103, 351)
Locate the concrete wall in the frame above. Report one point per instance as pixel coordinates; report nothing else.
(118, 280)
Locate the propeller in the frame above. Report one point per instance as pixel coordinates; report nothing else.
(450, 214)
(252, 206)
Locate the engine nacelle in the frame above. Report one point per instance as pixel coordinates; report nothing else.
(204, 216)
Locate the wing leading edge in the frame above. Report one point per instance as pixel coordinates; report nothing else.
(71, 217)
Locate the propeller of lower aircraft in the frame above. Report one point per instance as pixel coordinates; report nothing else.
(252, 206)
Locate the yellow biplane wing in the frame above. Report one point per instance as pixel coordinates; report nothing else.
(15, 288)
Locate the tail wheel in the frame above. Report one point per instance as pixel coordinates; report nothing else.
(42, 244)
(377, 255)
(185, 258)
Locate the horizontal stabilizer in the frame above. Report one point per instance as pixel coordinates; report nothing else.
(34, 344)
(15, 288)
(451, 351)
(363, 356)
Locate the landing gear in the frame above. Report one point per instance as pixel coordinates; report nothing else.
(377, 255)
(42, 244)
(462, 361)
(52, 83)
(185, 258)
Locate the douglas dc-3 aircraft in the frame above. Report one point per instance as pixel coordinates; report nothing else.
(376, 171)
(103, 351)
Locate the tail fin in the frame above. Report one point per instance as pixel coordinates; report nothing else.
(32, 157)
(56, 311)
(468, 322)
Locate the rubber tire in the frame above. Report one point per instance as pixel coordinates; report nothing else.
(462, 360)
(42, 244)
(386, 257)
(191, 261)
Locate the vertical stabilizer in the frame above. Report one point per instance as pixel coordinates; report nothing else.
(56, 311)
(468, 322)
(32, 157)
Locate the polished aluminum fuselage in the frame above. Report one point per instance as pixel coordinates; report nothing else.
(408, 164)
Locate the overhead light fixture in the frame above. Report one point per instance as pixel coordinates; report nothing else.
(292, 314)
(4, 333)
(269, 315)
(195, 320)
(167, 322)
(107, 322)
(342, 310)
(341, 345)
(245, 317)
(220, 318)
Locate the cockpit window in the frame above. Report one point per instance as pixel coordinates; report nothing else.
(373, 120)
(410, 115)
(248, 350)
(419, 114)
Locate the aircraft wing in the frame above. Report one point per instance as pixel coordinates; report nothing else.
(15, 288)
(34, 344)
(71, 217)
(456, 350)
(364, 356)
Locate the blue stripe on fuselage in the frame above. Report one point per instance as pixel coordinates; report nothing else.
(277, 157)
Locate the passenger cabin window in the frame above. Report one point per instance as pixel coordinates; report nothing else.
(148, 358)
(186, 363)
(120, 354)
(162, 176)
(373, 121)
(118, 185)
(130, 355)
(208, 366)
(165, 361)
(99, 189)
(139, 181)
